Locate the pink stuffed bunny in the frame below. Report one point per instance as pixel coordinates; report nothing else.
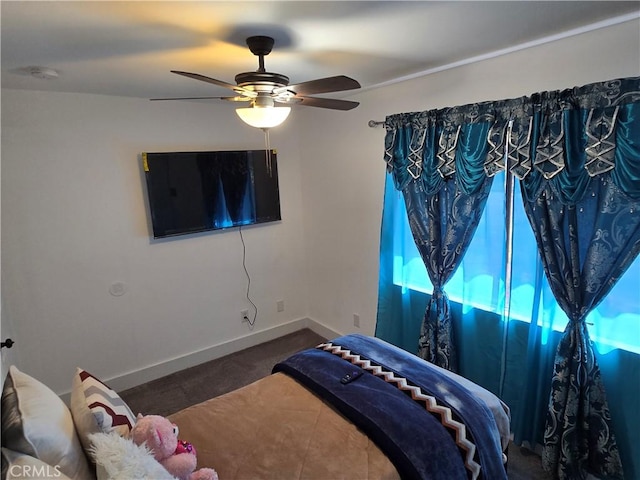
(177, 456)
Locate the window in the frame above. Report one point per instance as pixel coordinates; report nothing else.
(479, 282)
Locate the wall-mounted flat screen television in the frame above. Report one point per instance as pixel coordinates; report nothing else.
(192, 192)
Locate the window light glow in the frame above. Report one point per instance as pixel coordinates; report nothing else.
(613, 324)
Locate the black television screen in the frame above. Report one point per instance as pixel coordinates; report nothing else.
(193, 192)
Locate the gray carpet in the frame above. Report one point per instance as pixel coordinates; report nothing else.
(174, 392)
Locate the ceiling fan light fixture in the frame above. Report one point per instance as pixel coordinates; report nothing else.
(263, 117)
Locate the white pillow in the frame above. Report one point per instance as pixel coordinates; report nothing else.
(96, 408)
(118, 458)
(19, 466)
(36, 422)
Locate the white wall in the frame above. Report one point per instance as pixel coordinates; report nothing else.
(74, 218)
(344, 171)
(74, 221)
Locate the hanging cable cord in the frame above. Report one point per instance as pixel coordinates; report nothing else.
(267, 142)
(244, 265)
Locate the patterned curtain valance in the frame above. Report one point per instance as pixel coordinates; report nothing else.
(527, 135)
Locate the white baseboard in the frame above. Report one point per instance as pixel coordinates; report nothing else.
(153, 372)
(322, 329)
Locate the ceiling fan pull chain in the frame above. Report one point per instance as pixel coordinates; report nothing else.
(267, 147)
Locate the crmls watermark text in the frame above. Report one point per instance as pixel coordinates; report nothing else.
(33, 471)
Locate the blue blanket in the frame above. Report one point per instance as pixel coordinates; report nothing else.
(428, 425)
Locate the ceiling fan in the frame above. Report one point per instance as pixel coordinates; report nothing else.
(269, 93)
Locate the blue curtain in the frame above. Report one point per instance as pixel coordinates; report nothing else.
(438, 166)
(517, 351)
(576, 153)
(583, 217)
(401, 308)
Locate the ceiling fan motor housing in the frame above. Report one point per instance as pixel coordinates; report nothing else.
(249, 79)
(261, 46)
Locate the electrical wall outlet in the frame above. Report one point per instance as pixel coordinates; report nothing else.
(280, 305)
(244, 315)
(356, 320)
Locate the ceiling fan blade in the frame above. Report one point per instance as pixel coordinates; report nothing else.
(338, 83)
(192, 98)
(203, 78)
(331, 103)
(239, 98)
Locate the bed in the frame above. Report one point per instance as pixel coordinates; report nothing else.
(355, 407)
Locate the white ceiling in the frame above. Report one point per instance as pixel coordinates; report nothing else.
(128, 48)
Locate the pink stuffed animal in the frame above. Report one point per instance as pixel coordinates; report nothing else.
(177, 456)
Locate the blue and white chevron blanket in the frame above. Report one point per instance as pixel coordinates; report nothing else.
(428, 425)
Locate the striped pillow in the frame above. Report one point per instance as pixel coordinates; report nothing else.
(97, 408)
